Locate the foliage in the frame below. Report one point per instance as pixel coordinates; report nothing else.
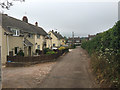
(51, 52)
(45, 50)
(73, 46)
(37, 51)
(20, 53)
(6, 4)
(61, 48)
(105, 52)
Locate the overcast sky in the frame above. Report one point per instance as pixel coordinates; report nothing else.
(67, 16)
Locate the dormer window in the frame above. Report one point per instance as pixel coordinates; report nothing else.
(15, 32)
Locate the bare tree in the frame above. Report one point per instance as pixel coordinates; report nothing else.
(6, 4)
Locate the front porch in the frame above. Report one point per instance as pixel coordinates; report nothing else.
(28, 48)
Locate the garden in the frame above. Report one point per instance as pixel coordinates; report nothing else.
(47, 55)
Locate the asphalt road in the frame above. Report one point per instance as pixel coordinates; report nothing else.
(71, 71)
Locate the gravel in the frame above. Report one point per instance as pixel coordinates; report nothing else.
(25, 77)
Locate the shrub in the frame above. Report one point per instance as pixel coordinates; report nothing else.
(61, 48)
(51, 52)
(45, 50)
(20, 53)
(73, 46)
(105, 52)
(38, 51)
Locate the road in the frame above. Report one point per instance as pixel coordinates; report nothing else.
(71, 71)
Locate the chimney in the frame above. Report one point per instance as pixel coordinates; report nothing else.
(55, 31)
(6, 14)
(36, 24)
(89, 35)
(25, 19)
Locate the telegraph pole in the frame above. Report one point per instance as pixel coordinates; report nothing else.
(73, 38)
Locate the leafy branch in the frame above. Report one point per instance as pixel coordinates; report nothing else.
(6, 4)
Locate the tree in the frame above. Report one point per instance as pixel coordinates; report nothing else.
(6, 4)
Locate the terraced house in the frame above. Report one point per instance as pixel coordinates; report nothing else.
(57, 38)
(19, 35)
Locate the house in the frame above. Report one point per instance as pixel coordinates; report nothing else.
(83, 39)
(57, 39)
(20, 35)
(75, 40)
(90, 37)
(48, 42)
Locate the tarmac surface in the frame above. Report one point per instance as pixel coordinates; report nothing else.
(71, 71)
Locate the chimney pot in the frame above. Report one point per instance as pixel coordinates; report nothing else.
(25, 19)
(6, 14)
(55, 31)
(36, 24)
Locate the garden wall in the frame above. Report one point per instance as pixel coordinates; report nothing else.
(26, 61)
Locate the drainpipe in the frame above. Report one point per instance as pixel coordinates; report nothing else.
(23, 44)
(51, 43)
(8, 44)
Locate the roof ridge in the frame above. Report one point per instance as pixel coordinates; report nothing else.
(26, 27)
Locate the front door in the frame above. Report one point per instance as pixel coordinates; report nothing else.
(25, 51)
(29, 51)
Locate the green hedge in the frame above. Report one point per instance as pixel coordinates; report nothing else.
(104, 49)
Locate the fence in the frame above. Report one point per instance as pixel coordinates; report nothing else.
(35, 58)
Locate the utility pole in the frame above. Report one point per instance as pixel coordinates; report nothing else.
(73, 38)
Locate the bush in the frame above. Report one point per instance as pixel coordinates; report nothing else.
(46, 50)
(73, 46)
(20, 53)
(61, 48)
(38, 51)
(104, 49)
(51, 52)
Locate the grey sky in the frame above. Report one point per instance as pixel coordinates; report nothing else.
(66, 16)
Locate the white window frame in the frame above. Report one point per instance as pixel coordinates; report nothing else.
(77, 40)
(17, 32)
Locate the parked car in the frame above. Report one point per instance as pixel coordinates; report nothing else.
(54, 48)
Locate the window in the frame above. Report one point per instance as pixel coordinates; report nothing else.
(77, 40)
(38, 35)
(69, 41)
(38, 46)
(53, 45)
(15, 32)
(30, 35)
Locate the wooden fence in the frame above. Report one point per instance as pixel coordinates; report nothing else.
(40, 58)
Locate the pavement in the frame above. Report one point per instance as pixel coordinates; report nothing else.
(71, 71)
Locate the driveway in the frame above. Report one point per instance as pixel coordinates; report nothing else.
(25, 77)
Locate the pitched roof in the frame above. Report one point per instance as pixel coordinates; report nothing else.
(58, 35)
(27, 43)
(8, 21)
(75, 38)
